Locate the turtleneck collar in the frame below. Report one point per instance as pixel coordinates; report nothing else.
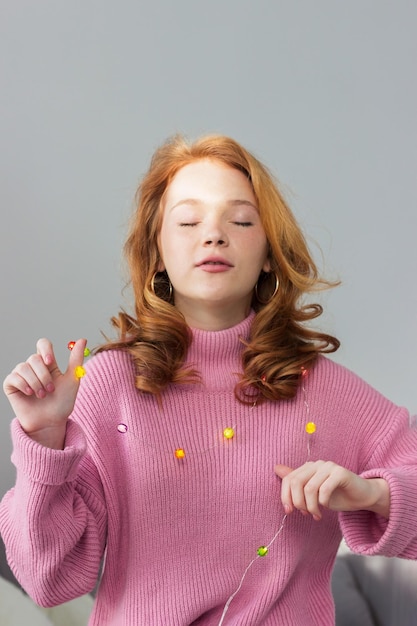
(216, 354)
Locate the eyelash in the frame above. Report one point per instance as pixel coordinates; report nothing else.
(243, 224)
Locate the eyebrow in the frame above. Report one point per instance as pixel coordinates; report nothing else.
(194, 201)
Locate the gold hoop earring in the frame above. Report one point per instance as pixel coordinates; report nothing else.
(272, 296)
(169, 285)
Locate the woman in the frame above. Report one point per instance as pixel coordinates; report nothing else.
(211, 456)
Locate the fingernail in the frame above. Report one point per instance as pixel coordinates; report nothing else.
(50, 387)
(287, 508)
(41, 393)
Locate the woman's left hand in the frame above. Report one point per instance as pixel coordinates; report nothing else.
(319, 484)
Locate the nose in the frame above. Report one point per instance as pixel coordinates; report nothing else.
(215, 241)
(215, 235)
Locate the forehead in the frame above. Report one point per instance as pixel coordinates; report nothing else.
(207, 180)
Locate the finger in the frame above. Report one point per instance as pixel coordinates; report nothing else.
(282, 470)
(320, 488)
(36, 375)
(15, 383)
(292, 489)
(315, 489)
(45, 349)
(338, 481)
(42, 371)
(76, 358)
(296, 492)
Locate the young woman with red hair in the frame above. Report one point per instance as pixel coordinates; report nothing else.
(208, 464)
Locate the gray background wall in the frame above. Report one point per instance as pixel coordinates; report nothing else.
(324, 92)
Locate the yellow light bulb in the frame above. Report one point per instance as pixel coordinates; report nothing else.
(79, 371)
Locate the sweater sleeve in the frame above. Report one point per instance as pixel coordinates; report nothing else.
(53, 521)
(393, 457)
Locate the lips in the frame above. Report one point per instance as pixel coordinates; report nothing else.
(214, 261)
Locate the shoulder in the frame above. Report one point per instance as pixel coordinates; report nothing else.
(109, 371)
(110, 360)
(333, 380)
(326, 369)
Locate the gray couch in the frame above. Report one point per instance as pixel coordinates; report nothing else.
(374, 591)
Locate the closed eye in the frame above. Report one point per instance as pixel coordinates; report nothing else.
(244, 224)
(188, 224)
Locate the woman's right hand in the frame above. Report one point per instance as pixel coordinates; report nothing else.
(42, 396)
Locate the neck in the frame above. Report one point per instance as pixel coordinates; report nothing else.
(217, 355)
(213, 316)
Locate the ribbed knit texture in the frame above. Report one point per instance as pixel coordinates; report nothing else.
(179, 533)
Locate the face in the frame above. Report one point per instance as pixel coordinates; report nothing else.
(212, 243)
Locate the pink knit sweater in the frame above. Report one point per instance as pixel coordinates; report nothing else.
(178, 534)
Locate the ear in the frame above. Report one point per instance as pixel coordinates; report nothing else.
(266, 267)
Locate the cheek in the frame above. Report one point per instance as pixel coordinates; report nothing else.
(171, 250)
(259, 247)
(164, 243)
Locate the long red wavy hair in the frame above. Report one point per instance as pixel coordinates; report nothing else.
(281, 344)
